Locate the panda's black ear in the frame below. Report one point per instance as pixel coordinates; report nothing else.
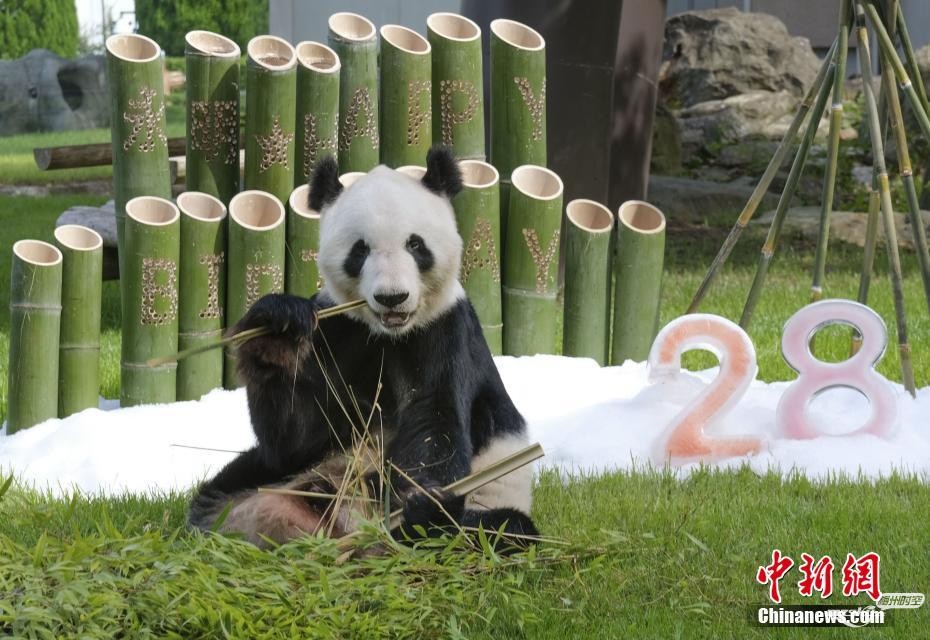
(443, 176)
(324, 184)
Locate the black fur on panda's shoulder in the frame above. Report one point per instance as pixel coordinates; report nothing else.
(443, 176)
(324, 184)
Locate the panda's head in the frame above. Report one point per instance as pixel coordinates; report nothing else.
(391, 240)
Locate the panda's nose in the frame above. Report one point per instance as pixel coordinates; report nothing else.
(391, 300)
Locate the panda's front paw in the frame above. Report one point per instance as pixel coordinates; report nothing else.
(431, 508)
(282, 314)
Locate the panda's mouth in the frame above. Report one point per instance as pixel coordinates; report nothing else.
(394, 319)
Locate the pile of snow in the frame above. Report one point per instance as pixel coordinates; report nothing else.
(588, 419)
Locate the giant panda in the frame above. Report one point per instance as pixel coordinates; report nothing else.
(412, 362)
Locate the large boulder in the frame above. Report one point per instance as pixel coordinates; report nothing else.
(44, 92)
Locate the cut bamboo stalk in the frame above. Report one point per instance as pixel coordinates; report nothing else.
(35, 323)
(415, 171)
(256, 259)
(530, 262)
(79, 344)
(784, 202)
(518, 100)
(212, 114)
(406, 96)
(354, 39)
(271, 95)
(317, 107)
(458, 84)
(202, 292)
(762, 186)
(477, 212)
(137, 132)
(878, 158)
(638, 263)
(350, 178)
(302, 273)
(150, 310)
(586, 325)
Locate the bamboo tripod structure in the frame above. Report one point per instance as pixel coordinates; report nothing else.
(888, 24)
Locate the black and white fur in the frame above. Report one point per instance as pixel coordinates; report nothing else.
(442, 411)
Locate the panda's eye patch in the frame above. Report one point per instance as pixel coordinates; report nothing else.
(416, 246)
(356, 258)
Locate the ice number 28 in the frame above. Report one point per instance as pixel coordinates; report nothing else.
(815, 376)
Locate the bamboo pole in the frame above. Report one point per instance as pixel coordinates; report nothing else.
(762, 186)
(530, 262)
(79, 344)
(137, 117)
(354, 39)
(458, 84)
(784, 202)
(477, 212)
(212, 114)
(150, 308)
(406, 96)
(302, 273)
(518, 100)
(911, 58)
(35, 320)
(317, 107)
(586, 326)
(637, 269)
(271, 94)
(878, 158)
(202, 291)
(256, 259)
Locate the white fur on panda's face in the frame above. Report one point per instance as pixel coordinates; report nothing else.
(385, 236)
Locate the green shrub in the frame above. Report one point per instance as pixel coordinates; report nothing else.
(167, 21)
(38, 24)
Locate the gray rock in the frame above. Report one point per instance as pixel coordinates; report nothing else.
(698, 201)
(845, 226)
(44, 92)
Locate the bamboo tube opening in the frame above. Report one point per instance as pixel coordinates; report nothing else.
(299, 202)
(133, 48)
(350, 178)
(37, 252)
(641, 217)
(407, 40)
(351, 26)
(536, 182)
(78, 238)
(477, 174)
(589, 215)
(201, 206)
(152, 211)
(256, 210)
(212, 44)
(415, 171)
(517, 34)
(318, 57)
(272, 53)
(453, 27)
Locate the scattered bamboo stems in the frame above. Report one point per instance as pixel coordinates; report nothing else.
(212, 114)
(912, 60)
(35, 320)
(79, 346)
(302, 274)
(406, 96)
(317, 107)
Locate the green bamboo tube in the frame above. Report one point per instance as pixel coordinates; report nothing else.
(458, 84)
(477, 212)
(202, 292)
(137, 124)
(350, 178)
(212, 114)
(256, 259)
(79, 344)
(406, 96)
(640, 255)
(415, 171)
(302, 274)
(353, 38)
(317, 107)
(586, 326)
(518, 99)
(531, 262)
(35, 320)
(150, 307)
(271, 95)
